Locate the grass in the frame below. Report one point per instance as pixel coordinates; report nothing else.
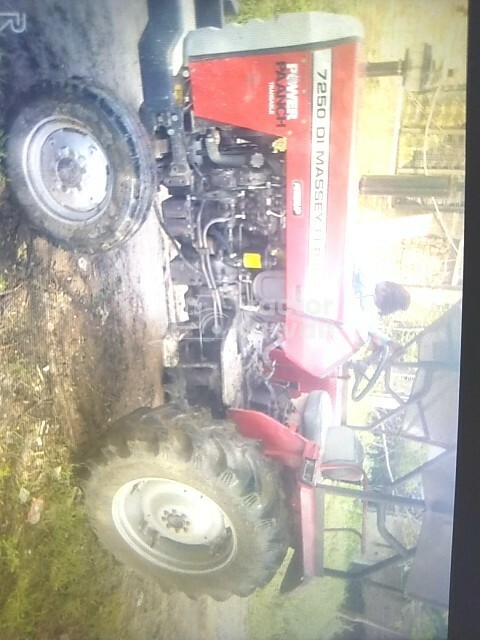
(311, 611)
(56, 579)
(265, 9)
(427, 622)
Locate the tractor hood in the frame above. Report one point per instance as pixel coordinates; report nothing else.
(299, 84)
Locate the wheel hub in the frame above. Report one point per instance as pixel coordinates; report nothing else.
(174, 520)
(179, 512)
(70, 171)
(173, 524)
(67, 169)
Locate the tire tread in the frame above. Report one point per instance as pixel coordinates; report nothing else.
(230, 464)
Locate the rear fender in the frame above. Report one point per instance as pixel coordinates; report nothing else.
(295, 452)
(278, 441)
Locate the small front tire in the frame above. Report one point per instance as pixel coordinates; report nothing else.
(80, 165)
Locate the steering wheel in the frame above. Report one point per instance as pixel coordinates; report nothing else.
(364, 381)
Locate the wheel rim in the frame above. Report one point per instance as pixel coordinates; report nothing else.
(173, 525)
(67, 170)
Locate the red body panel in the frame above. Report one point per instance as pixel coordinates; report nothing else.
(278, 441)
(319, 279)
(288, 371)
(238, 91)
(308, 97)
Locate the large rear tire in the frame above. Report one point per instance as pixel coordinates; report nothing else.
(80, 165)
(185, 500)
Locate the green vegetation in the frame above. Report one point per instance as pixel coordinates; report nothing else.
(427, 622)
(267, 8)
(3, 284)
(311, 611)
(403, 456)
(55, 577)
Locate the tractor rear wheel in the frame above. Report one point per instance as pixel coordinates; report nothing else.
(185, 500)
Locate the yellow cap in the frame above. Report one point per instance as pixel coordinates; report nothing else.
(252, 261)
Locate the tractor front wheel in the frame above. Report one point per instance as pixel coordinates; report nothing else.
(80, 165)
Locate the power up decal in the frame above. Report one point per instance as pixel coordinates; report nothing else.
(283, 93)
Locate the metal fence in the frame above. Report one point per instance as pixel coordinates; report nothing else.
(431, 142)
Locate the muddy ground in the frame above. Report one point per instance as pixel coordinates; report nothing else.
(94, 324)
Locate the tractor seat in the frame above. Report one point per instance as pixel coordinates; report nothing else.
(342, 452)
(343, 455)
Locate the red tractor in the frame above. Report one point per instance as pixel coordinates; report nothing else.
(251, 129)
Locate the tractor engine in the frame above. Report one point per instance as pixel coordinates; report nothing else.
(229, 233)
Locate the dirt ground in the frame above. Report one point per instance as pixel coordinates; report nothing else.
(96, 322)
